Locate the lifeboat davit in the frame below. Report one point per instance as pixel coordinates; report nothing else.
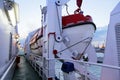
(76, 27)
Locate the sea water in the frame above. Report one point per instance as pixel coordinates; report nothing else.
(92, 69)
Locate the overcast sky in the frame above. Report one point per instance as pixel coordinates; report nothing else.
(30, 14)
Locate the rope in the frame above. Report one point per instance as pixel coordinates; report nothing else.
(67, 9)
(80, 55)
(75, 44)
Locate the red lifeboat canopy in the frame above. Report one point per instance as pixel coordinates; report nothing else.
(74, 19)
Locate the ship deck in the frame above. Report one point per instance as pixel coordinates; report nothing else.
(24, 71)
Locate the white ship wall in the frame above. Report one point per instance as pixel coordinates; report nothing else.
(4, 36)
(8, 47)
(112, 51)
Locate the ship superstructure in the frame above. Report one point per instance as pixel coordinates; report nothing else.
(61, 48)
(112, 51)
(8, 38)
(68, 39)
(61, 37)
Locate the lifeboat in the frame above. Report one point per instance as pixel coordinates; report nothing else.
(35, 42)
(78, 30)
(76, 27)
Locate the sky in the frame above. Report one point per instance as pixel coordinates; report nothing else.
(30, 14)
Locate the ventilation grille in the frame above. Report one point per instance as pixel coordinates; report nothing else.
(117, 31)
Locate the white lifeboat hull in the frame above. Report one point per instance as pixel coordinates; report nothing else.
(78, 37)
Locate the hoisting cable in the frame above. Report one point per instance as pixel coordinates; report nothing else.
(79, 3)
(67, 9)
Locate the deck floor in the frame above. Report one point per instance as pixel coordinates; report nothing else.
(24, 71)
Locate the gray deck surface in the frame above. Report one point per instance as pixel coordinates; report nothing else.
(24, 71)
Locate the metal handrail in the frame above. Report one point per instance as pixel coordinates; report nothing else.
(90, 63)
(83, 63)
(8, 69)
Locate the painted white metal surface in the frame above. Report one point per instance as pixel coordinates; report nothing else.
(112, 47)
(8, 30)
(55, 38)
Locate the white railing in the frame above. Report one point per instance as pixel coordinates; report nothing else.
(8, 73)
(92, 70)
